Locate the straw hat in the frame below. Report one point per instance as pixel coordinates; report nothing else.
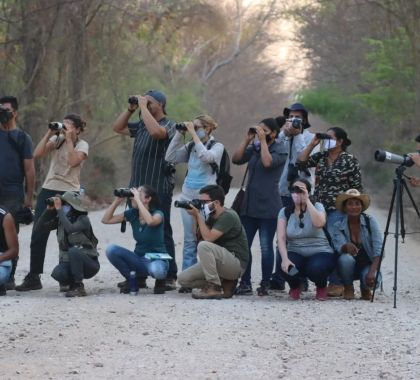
(350, 194)
(73, 199)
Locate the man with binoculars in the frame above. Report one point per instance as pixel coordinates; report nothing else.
(152, 134)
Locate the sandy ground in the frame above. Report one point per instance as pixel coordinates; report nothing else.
(108, 336)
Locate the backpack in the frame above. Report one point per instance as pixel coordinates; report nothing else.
(223, 177)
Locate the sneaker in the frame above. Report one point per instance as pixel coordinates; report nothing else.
(366, 294)
(170, 284)
(32, 281)
(77, 291)
(348, 293)
(3, 290)
(335, 290)
(184, 289)
(243, 290)
(294, 294)
(141, 281)
(209, 292)
(10, 285)
(262, 290)
(160, 287)
(321, 294)
(229, 287)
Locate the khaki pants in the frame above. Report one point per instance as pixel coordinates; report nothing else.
(214, 263)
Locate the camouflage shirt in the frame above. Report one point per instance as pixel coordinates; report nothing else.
(331, 180)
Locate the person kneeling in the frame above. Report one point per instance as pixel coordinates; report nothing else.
(147, 222)
(78, 256)
(223, 253)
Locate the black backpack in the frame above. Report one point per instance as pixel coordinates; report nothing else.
(223, 177)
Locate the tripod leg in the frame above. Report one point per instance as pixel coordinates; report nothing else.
(388, 221)
(402, 229)
(411, 197)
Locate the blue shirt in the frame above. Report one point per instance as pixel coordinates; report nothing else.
(148, 238)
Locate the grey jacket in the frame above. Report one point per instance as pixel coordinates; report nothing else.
(372, 242)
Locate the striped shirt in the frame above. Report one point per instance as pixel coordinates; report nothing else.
(148, 165)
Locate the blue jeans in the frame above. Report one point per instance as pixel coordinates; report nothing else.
(189, 252)
(316, 267)
(334, 216)
(5, 270)
(346, 268)
(126, 261)
(267, 230)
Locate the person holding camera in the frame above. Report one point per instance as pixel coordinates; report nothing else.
(302, 241)
(152, 135)
(201, 154)
(358, 240)
(223, 251)
(17, 177)
(9, 247)
(262, 200)
(147, 222)
(415, 181)
(78, 255)
(68, 152)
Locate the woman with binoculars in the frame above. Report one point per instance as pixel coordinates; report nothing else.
(201, 155)
(68, 152)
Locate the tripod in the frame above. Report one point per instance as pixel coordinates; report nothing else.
(399, 186)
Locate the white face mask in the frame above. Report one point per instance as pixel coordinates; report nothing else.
(66, 209)
(296, 198)
(201, 133)
(206, 210)
(330, 144)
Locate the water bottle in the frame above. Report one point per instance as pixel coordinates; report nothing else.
(132, 284)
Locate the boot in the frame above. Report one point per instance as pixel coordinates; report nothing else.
(348, 293)
(209, 292)
(335, 290)
(170, 284)
(159, 287)
(184, 289)
(229, 287)
(32, 281)
(141, 281)
(10, 285)
(77, 291)
(366, 294)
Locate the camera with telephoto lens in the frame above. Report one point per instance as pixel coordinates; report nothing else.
(5, 115)
(180, 127)
(56, 126)
(323, 136)
(123, 192)
(296, 122)
(384, 156)
(133, 100)
(197, 203)
(49, 201)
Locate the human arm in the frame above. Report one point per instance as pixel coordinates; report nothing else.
(266, 158)
(155, 130)
(317, 213)
(376, 244)
(109, 217)
(177, 150)
(281, 242)
(120, 125)
(75, 156)
(144, 213)
(80, 224)
(414, 181)
(240, 156)
(306, 152)
(11, 237)
(208, 234)
(45, 145)
(29, 169)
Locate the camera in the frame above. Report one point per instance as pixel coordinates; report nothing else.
(133, 100)
(197, 203)
(49, 201)
(5, 115)
(123, 192)
(252, 130)
(24, 216)
(292, 270)
(56, 126)
(323, 136)
(180, 127)
(384, 156)
(296, 122)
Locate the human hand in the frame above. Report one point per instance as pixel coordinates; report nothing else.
(370, 278)
(136, 194)
(285, 264)
(190, 127)
(350, 248)
(193, 211)
(57, 203)
(142, 101)
(415, 157)
(304, 195)
(260, 133)
(414, 181)
(250, 134)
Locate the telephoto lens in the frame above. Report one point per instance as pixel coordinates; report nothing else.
(197, 203)
(384, 156)
(123, 192)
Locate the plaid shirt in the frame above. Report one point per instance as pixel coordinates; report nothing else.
(331, 180)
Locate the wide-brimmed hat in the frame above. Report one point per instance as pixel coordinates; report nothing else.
(350, 194)
(74, 200)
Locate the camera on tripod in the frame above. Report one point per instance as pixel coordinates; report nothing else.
(384, 156)
(197, 203)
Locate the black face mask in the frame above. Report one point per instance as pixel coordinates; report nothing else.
(268, 138)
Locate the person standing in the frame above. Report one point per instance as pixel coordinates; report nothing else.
(152, 135)
(68, 153)
(17, 174)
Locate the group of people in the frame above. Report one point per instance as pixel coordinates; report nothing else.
(305, 187)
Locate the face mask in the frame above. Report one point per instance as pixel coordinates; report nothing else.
(207, 211)
(268, 138)
(66, 209)
(296, 197)
(201, 133)
(330, 144)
